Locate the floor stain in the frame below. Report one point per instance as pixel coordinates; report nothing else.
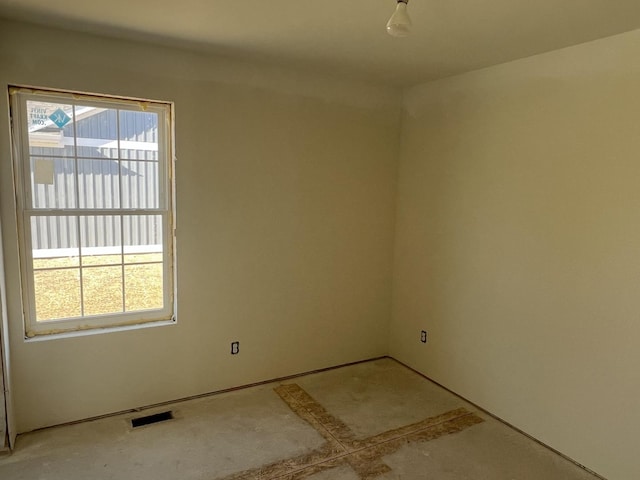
(342, 447)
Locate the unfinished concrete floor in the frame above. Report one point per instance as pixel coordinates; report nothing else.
(374, 420)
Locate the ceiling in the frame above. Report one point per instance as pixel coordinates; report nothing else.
(347, 37)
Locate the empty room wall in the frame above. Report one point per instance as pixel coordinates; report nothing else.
(517, 245)
(285, 208)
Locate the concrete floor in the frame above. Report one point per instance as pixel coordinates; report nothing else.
(375, 420)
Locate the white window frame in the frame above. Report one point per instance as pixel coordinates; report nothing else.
(22, 176)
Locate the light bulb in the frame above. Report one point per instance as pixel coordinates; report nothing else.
(399, 24)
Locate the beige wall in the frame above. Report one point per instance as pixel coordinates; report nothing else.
(518, 245)
(285, 206)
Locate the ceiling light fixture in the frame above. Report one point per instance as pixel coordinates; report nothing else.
(399, 25)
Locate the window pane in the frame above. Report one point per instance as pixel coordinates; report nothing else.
(101, 240)
(54, 242)
(57, 294)
(143, 287)
(102, 289)
(50, 128)
(99, 185)
(142, 234)
(140, 185)
(138, 135)
(97, 132)
(53, 182)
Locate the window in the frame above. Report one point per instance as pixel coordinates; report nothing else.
(95, 218)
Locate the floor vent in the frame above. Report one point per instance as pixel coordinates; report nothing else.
(149, 419)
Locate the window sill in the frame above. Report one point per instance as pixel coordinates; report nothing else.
(42, 337)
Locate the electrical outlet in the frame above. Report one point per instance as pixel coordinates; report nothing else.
(235, 348)
(423, 336)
